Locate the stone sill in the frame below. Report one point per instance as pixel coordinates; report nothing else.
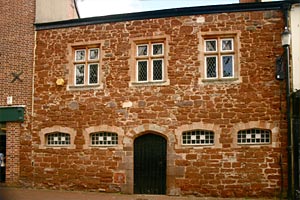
(149, 83)
(84, 87)
(222, 80)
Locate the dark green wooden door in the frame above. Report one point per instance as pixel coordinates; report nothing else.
(150, 152)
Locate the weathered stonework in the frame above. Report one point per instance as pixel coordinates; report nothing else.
(186, 102)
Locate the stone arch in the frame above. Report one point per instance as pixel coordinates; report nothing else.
(52, 129)
(274, 127)
(106, 128)
(128, 142)
(198, 125)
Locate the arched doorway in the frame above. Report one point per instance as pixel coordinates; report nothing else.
(150, 158)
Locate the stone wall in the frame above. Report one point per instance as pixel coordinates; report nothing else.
(226, 169)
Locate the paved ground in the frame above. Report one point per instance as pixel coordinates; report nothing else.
(7, 193)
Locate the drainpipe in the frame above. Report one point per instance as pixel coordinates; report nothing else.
(296, 128)
(286, 8)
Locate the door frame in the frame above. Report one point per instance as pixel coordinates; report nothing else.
(164, 151)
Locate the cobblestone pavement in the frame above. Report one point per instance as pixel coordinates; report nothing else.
(9, 193)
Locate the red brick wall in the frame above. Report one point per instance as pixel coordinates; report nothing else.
(16, 56)
(226, 169)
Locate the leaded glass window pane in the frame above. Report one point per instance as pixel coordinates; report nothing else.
(94, 54)
(211, 66)
(227, 64)
(104, 139)
(157, 49)
(157, 70)
(198, 137)
(227, 44)
(142, 50)
(80, 55)
(93, 73)
(210, 45)
(254, 136)
(142, 70)
(58, 139)
(79, 74)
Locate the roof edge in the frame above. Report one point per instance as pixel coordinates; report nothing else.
(173, 12)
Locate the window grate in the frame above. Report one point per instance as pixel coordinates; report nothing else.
(211, 67)
(254, 136)
(93, 73)
(58, 139)
(198, 137)
(104, 139)
(157, 70)
(142, 70)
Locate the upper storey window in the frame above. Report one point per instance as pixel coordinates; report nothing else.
(220, 55)
(86, 65)
(149, 62)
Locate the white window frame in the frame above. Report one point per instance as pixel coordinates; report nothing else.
(77, 50)
(257, 136)
(222, 71)
(209, 41)
(98, 55)
(137, 50)
(104, 145)
(150, 57)
(86, 62)
(162, 44)
(232, 45)
(59, 135)
(89, 73)
(205, 69)
(198, 144)
(219, 53)
(137, 70)
(162, 70)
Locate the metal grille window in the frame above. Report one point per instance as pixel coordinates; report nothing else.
(254, 136)
(86, 63)
(150, 62)
(198, 137)
(58, 139)
(104, 139)
(219, 56)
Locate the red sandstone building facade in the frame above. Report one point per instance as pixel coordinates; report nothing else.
(177, 102)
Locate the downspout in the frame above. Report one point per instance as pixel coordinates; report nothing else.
(296, 129)
(290, 195)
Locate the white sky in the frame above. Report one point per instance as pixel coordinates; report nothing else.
(91, 8)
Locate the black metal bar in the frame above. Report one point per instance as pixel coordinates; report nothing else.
(296, 128)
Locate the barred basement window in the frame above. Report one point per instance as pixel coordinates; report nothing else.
(58, 139)
(254, 136)
(104, 139)
(198, 137)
